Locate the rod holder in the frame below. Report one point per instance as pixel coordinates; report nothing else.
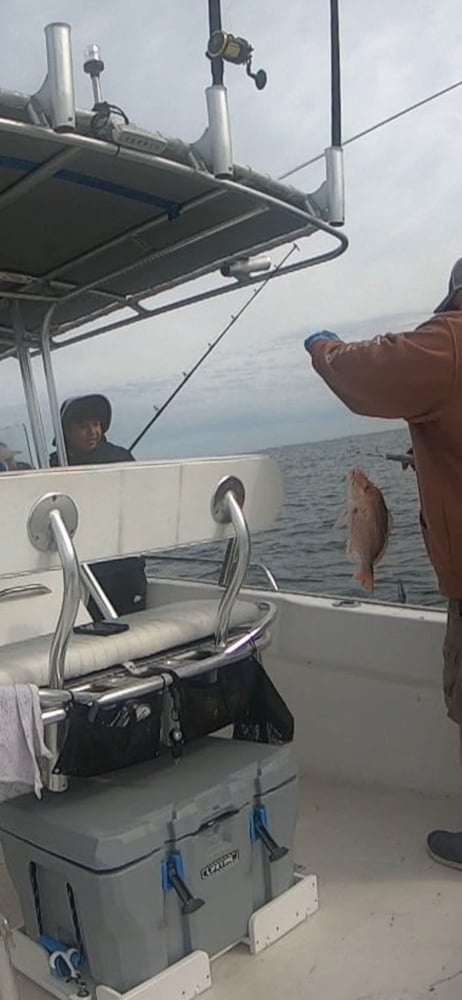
(246, 268)
(226, 507)
(56, 96)
(219, 131)
(335, 186)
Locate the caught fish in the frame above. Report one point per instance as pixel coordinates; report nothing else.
(368, 522)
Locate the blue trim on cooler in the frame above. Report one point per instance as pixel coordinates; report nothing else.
(174, 861)
(258, 816)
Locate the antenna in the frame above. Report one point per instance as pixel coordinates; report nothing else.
(94, 66)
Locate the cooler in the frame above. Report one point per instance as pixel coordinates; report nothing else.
(139, 867)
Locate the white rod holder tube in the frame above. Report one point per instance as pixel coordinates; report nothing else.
(335, 185)
(60, 79)
(220, 131)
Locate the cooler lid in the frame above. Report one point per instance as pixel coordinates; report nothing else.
(109, 822)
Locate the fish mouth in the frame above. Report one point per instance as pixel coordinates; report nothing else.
(352, 477)
(357, 476)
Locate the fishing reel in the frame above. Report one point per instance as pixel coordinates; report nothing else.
(232, 49)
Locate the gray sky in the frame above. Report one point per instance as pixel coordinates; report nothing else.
(402, 199)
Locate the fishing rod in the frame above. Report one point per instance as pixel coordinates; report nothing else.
(211, 347)
(374, 128)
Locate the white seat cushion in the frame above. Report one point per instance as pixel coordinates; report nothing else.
(155, 630)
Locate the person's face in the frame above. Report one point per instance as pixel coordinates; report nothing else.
(85, 435)
(8, 458)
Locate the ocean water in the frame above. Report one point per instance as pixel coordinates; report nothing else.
(304, 550)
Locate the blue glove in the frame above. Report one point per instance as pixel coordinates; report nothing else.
(322, 335)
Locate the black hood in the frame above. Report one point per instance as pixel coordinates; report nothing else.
(79, 408)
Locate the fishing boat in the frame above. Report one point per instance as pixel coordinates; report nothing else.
(163, 859)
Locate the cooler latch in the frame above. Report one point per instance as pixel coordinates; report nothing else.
(173, 878)
(259, 831)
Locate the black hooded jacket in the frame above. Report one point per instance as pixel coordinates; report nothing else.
(123, 580)
(80, 408)
(102, 455)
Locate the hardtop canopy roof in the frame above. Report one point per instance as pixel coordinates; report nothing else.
(97, 228)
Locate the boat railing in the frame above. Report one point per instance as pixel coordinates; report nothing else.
(215, 568)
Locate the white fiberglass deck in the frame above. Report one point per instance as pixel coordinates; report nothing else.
(380, 770)
(389, 924)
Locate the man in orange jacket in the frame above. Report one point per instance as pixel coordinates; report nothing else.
(417, 377)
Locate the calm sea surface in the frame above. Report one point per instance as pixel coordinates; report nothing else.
(304, 551)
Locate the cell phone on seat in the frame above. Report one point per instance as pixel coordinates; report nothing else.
(105, 627)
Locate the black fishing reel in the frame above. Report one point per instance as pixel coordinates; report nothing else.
(232, 49)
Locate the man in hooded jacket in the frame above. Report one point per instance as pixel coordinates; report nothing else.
(86, 421)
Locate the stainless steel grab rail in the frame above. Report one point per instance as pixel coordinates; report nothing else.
(227, 504)
(110, 688)
(269, 576)
(95, 590)
(71, 599)
(256, 637)
(51, 524)
(26, 590)
(240, 569)
(60, 641)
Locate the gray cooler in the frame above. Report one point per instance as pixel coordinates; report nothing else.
(142, 866)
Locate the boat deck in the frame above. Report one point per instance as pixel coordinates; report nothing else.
(389, 926)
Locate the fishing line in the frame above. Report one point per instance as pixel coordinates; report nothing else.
(288, 173)
(211, 347)
(374, 128)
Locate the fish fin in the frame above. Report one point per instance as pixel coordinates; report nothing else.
(366, 578)
(385, 544)
(342, 520)
(381, 553)
(387, 539)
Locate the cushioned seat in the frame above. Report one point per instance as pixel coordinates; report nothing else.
(155, 630)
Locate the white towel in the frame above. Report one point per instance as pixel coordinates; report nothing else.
(22, 745)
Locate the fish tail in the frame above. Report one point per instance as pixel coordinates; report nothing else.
(365, 576)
